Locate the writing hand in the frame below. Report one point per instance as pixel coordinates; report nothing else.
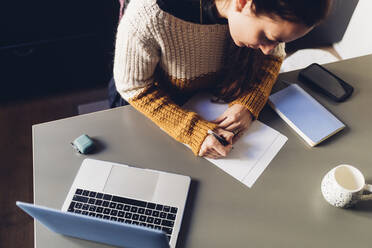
(212, 148)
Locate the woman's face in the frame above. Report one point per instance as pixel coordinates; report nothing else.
(260, 32)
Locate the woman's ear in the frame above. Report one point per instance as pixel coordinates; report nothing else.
(243, 5)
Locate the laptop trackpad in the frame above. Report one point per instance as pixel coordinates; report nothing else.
(131, 182)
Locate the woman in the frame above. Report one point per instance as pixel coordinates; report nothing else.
(167, 50)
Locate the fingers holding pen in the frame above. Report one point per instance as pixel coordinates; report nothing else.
(212, 148)
(226, 134)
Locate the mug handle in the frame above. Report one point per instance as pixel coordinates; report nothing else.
(368, 188)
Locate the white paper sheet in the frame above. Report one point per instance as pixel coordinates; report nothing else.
(252, 153)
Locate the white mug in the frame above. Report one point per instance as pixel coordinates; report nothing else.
(344, 185)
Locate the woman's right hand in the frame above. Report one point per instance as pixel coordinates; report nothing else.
(212, 148)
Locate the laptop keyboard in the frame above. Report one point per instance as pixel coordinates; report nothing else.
(130, 211)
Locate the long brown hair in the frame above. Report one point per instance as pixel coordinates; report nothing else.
(307, 12)
(240, 73)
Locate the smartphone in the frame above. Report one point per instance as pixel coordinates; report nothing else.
(320, 79)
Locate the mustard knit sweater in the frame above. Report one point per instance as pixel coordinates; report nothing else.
(160, 60)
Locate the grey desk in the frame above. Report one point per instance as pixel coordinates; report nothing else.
(283, 209)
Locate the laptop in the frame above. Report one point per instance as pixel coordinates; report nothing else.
(119, 205)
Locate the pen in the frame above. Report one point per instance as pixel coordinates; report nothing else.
(219, 138)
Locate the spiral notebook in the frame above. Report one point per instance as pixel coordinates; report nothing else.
(313, 122)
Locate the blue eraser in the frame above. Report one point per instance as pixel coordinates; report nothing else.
(83, 144)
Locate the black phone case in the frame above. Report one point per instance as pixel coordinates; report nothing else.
(305, 78)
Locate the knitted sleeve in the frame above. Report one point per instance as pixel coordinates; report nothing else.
(265, 72)
(136, 58)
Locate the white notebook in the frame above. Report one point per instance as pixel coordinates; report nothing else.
(304, 114)
(252, 153)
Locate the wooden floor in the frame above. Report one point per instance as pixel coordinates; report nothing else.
(16, 120)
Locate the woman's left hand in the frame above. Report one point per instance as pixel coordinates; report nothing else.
(235, 119)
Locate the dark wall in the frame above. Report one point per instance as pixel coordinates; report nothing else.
(48, 46)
